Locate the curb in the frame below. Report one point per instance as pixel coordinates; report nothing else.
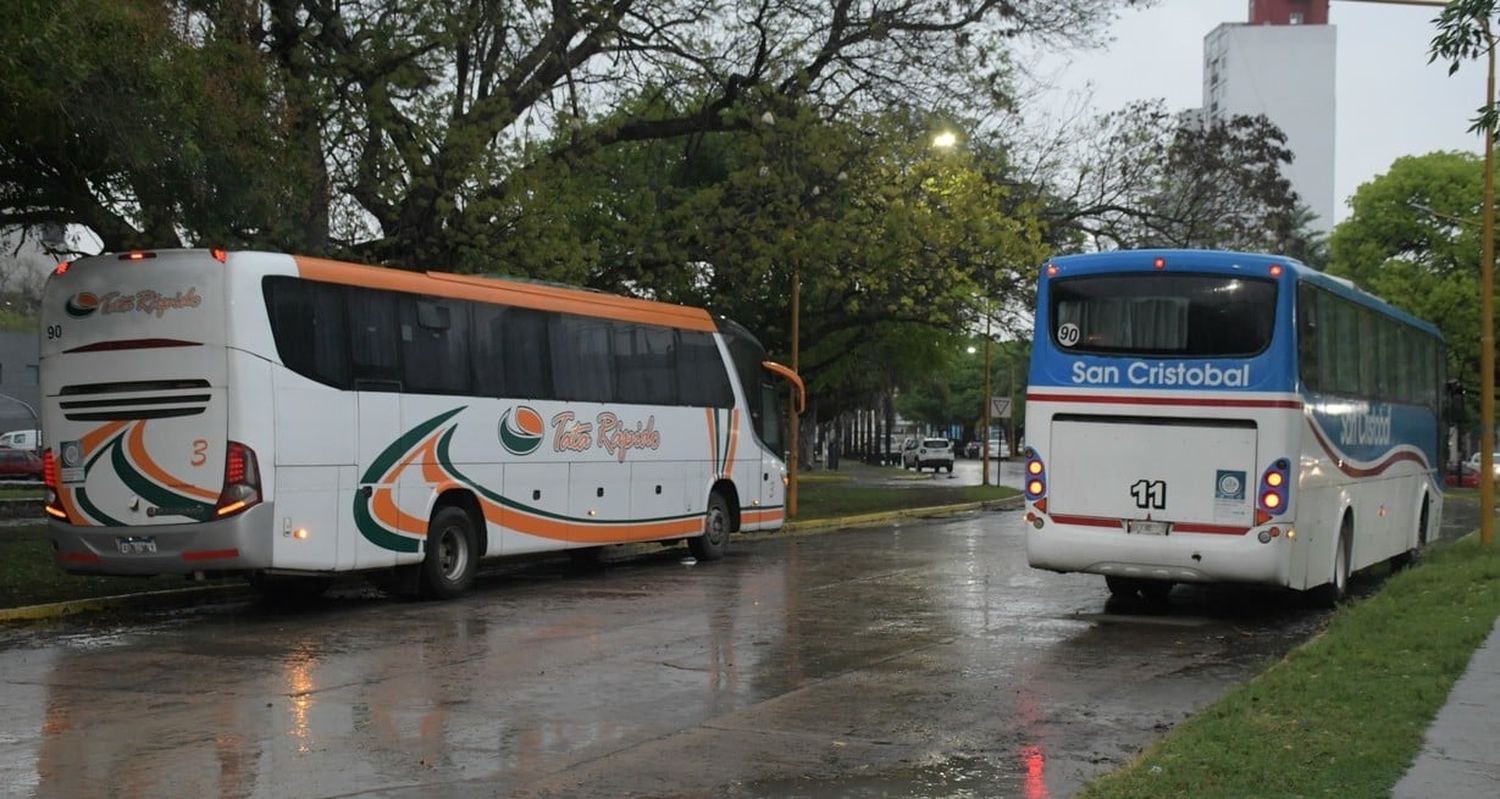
(148, 599)
(185, 596)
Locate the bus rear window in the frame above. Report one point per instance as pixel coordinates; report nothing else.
(1197, 316)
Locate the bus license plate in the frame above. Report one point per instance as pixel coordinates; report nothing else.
(1147, 528)
(136, 545)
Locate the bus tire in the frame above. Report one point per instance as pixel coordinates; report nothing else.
(1330, 594)
(1405, 559)
(452, 556)
(716, 526)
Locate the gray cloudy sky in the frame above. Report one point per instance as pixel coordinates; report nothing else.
(1390, 101)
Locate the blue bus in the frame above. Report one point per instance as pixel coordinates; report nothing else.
(1224, 417)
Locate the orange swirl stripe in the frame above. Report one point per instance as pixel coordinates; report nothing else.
(136, 444)
(734, 441)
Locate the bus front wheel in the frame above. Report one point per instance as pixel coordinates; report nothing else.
(716, 525)
(452, 558)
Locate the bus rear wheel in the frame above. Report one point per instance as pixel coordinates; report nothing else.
(716, 525)
(452, 556)
(1330, 594)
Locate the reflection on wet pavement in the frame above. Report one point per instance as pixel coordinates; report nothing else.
(924, 659)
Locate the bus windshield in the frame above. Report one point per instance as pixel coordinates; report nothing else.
(1202, 316)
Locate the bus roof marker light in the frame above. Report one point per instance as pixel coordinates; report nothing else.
(1051, 270)
(62, 268)
(1159, 263)
(136, 255)
(1276, 270)
(220, 254)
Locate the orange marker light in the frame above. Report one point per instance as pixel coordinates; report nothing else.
(1159, 263)
(62, 268)
(220, 254)
(136, 256)
(1275, 270)
(1051, 270)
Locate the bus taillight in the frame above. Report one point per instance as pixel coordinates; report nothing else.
(1036, 476)
(1273, 490)
(241, 480)
(49, 479)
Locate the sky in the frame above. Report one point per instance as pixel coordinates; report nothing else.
(1390, 102)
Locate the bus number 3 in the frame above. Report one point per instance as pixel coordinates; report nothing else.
(1150, 494)
(200, 452)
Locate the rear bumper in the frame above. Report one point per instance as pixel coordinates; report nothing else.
(241, 542)
(1179, 557)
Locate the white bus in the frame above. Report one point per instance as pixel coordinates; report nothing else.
(212, 412)
(1223, 417)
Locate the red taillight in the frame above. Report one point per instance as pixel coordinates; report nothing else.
(54, 506)
(241, 480)
(62, 268)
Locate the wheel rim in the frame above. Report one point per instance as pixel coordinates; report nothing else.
(453, 553)
(718, 525)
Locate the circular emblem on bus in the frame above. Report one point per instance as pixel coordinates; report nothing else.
(1231, 484)
(81, 304)
(521, 432)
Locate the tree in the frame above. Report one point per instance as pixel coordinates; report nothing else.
(1142, 177)
(394, 128)
(1413, 238)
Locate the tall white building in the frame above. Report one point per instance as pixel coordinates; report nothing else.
(1281, 64)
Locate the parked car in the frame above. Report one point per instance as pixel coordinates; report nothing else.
(997, 449)
(21, 439)
(1468, 476)
(20, 464)
(920, 453)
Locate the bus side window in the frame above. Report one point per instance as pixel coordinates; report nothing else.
(701, 378)
(488, 352)
(1308, 334)
(435, 345)
(307, 322)
(772, 430)
(527, 354)
(372, 339)
(646, 364)
(583, 367)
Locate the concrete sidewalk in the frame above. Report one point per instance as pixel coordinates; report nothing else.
(1461, 757)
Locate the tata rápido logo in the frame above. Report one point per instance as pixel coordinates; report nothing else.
(82, 304)
(521, 430)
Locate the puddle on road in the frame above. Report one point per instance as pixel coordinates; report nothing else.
(955, 778)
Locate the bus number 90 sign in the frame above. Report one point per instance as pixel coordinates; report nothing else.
(1068, 334)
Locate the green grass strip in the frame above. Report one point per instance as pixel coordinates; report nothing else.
(1345, 714)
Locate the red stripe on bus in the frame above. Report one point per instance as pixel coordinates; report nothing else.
(211, 554)
(1177, 527)
(1354, 471)
(133, 344)
(1114, 399)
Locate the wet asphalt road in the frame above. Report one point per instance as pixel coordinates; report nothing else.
(917, 660)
